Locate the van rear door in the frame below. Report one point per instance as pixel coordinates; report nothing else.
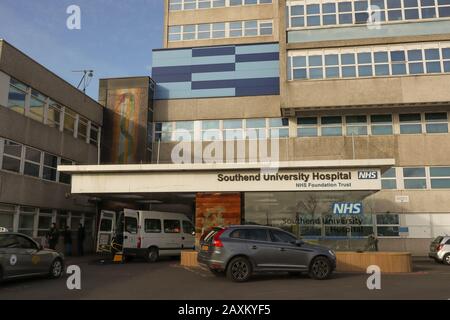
(105, 231)
(131, 231)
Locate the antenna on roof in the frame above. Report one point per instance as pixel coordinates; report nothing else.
(86, 79)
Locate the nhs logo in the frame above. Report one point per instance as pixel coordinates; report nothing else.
(367, 175)
(347, 208)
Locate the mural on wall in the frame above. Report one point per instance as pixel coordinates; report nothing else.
(218, 209)
(126, 106)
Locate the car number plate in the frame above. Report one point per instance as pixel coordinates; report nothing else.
(205, 248)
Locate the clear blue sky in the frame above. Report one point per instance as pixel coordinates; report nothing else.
(116, 36)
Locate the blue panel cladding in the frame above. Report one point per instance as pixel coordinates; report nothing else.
(220, 71)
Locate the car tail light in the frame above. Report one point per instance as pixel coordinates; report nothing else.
(139, 242)
(216, 240)
(439, 247)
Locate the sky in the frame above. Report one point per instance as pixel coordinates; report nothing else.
(115, 40)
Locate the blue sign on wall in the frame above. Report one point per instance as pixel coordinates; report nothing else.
(221, 71)
(347, 208)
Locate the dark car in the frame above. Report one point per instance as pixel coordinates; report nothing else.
(240, 251)
(21, 256)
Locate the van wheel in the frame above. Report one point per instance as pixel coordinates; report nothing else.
(152, 255)
(446, 259)
(56, 269)
(239, 269)
(320, 268)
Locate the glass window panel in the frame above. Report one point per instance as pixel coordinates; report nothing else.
(365, 71)
(428, 13)
(313, 9)
(389, 184)
(348, 72)
(389, 173)
(329, 8)
(299, 61)
(413, 172)
(416, 68)
(357, 130)
(415, 184)
(437, 128)
(332, 59)
(11, 164)
(50, 160)
(345, 6)
(346, 18)
(382, 130)
(331, 120)
(16, 100)
(313, 21)
(31, 169)
(329, 20)
(444, 12)
(446, 66)
(332, 72)
(440, 171)
(307, 132)
(316, 73)
(297, 10)
(315, 60)
(410, 117)
(279, 133)
(232, 124)
(381, 57)
(387, 219)
(331, 131)
(410, 128)
(278, 122)
(388, 231)
(348, 58)
(415, 55)
(309, 121)
(382, 70)
(399, 69)
(411, 14)
(298, 22)
(356, 119)
(361, 17)
(210, 124)
(440, 183)
(33, 155)
(433, 67)
(12, 148)
(364, 57)
(446, 53)
(432, 54)
(256, 123)
(300, 74)
(394, 15)
(381, 118)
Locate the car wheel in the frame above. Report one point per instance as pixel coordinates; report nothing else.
(152, 255)
(217, 273)
(239, 269)
(446, 259)
(320, 268)
(56, 269)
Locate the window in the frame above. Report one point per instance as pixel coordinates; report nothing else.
(37, 105)
(32, 162)
(178, 5)
(251, 28)
(69, 121)
(218, 30)
(307, 127)
(64, 177)
(250, 234)
(414, 178)
(256, 129)
(279, 236)
(375, 61)
(44, 222)
(440, 177)
(25, 243)
(17, 96)
(7, 216)
(410, 123)
(389, 179)
(106, 225)
(12, 154)
(356, 125)
(279, 128)
(26, 220)
(235, 29)
(50, 165)
(172, 226)
(388, 225)
(331, 125)
(131, 225)
(233, 129)
(188, 228)
(204, 31)
(211, 130)
(175, 33)
(436, 122)
(381, 124)
(54, 114)
(152, 226)
(184, 131)
(94, 135)
(82, 128)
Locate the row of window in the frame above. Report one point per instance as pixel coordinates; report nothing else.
(18, 158)
(416, 178)
(177, 5)
(233, 129)
(35, 222)
(33, 104)
(326, 13)
(379, 124)
(377, 61)
(311, 126)
(156, 226)
(250, 28)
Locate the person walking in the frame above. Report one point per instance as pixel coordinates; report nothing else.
(53, 236)
(80, 240)
(67, 234)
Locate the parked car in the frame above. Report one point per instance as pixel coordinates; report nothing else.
(440, 249)
(148, 234)
(241, 251)
(21, 256)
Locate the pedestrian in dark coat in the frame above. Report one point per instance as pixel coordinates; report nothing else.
(53, 236)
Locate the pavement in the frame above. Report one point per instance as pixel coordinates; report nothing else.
(166, 279)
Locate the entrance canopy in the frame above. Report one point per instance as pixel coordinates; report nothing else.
(324, 175)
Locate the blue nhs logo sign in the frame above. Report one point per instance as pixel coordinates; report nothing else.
(347, 208)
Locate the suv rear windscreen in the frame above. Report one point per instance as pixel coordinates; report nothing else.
(438, 239)
(208, 236)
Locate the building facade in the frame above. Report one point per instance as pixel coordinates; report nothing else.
(332, 80)
(44, 122)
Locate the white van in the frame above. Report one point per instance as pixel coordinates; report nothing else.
(149, 234)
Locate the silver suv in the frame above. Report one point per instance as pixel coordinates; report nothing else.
(440, 249)
(240, 251)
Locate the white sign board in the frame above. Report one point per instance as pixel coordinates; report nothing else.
(228, 181)
(402, 199)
